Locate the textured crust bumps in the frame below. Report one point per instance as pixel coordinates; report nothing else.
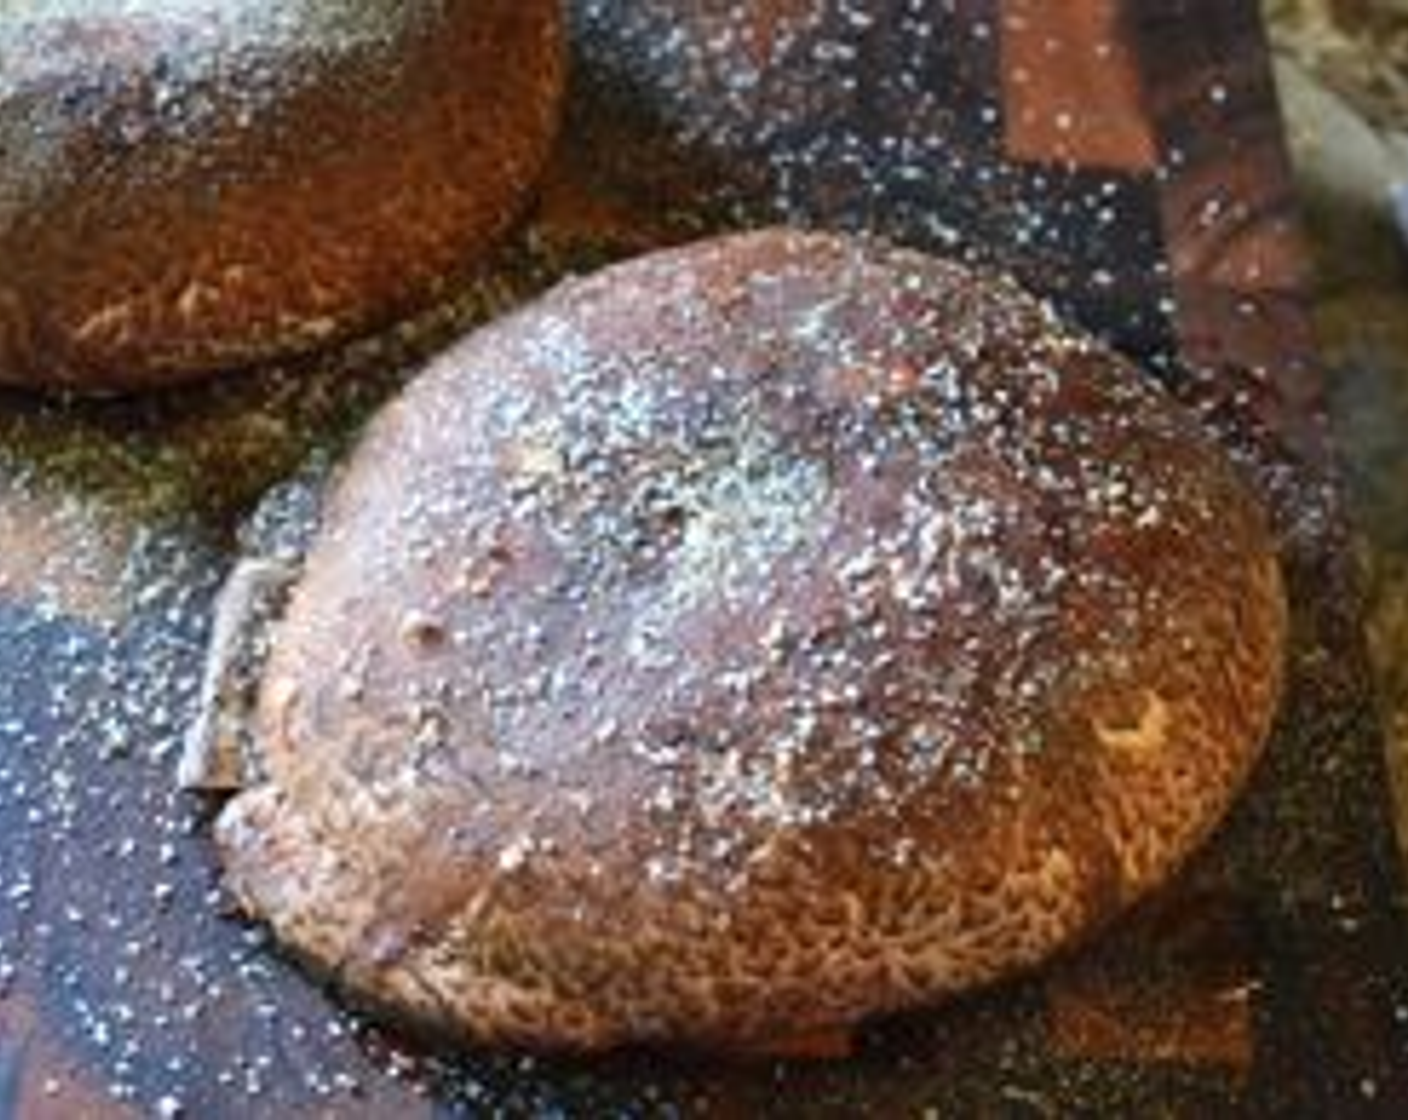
(195, 185)
(746, 640)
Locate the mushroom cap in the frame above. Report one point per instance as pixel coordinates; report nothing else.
(188, 186)
(751, 638)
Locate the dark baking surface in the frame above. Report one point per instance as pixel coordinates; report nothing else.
(1270, 978)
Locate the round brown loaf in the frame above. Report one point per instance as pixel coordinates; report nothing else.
(748, 639)
(192, 185)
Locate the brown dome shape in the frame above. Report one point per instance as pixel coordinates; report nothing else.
(192, 185)
(745, 640)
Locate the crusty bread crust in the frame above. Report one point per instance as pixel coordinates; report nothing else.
(748, 639)
(191, 186)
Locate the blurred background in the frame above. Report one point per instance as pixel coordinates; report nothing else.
(1342, 66)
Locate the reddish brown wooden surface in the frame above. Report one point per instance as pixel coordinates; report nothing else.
(1071, 87)
(1123, 157)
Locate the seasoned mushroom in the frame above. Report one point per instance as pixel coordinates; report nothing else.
(746, 640)
(192, 185)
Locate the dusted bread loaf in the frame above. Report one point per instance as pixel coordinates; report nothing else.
(746, 640)
(192, 185)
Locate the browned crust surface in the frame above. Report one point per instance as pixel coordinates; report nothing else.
(748, 639)
(191, 186)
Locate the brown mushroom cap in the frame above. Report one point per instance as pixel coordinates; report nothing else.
(192, 185)
(748, 639)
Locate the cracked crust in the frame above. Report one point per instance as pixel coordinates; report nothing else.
(195, 186)
(217, 755)
(746, 640)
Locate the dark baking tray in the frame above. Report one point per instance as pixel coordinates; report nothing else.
(1122, 157)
